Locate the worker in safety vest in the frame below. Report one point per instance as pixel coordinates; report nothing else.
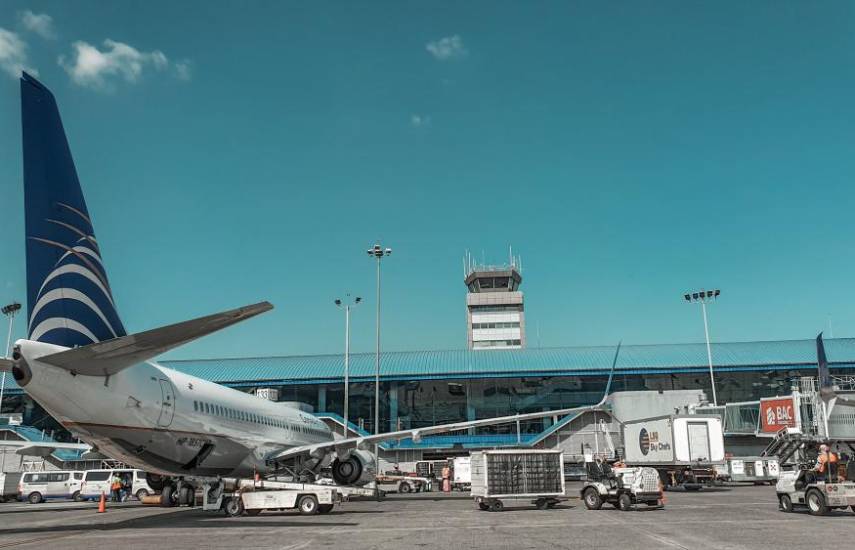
(826, 463)
(116, 488)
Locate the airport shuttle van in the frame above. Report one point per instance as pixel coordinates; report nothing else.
(36, 487)
(96, 482)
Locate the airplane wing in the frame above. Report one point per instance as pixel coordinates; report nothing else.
(41, 448)
(317, 450)
(416, 434)
(111, 356)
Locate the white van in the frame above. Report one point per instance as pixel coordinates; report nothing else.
(96, 482)
(36, 487)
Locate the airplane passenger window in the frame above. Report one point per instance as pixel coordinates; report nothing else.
(195, 405)
(207, 410)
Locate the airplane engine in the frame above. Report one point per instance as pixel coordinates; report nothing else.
(358, 468)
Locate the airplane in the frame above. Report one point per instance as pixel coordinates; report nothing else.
(101, 383)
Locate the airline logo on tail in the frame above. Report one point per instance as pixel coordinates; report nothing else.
(69, 298)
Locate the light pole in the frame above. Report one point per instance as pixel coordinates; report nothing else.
(9, 311)
(347, 306)
(702, 297)
(379, 253)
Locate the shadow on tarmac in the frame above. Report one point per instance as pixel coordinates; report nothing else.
(185, 520)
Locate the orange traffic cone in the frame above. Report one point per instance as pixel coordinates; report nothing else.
(102, 504)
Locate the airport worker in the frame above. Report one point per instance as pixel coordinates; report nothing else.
(826, 462)
(116, 488)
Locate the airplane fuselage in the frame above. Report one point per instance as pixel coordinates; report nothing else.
(167, 422)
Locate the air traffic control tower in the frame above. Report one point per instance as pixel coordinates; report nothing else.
(495, 318)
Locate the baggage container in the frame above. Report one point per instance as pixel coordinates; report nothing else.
(755, 469)
(535, 475)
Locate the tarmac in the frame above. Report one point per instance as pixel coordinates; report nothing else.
(736, 517)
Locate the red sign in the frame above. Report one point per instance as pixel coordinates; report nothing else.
(776, 414)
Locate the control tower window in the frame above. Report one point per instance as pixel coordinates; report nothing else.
(486, 282)
(501, 282)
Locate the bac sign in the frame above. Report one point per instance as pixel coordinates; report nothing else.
(776, 414)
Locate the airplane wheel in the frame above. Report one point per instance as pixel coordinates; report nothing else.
(816, 503)
(233, 507)
(186, 496)
(166, 499)
(308, 505)
(786, 503)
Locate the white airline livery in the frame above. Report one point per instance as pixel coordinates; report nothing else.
(101, 383)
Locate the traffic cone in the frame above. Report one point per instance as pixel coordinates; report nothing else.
(102, 504)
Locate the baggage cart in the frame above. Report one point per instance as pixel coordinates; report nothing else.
(517, 474)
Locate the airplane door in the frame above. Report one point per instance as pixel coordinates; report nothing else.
(167, 404)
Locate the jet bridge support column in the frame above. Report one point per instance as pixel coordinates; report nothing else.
(393, 406)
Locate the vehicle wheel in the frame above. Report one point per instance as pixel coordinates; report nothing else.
(186, 496)
(166, 499)
(254, 512)
(308, 505)
(692, 487)
(816, 503)
(497, 506)
(141, 494)
(76, 497)
(592, 498)
(541, 503)
(404, 487)
(786, 503)
(325, 508)
(233, 506)
(483, 506)
(35, 498)
(625, 502)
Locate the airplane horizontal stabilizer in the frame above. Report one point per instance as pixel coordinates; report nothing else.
(111, 356)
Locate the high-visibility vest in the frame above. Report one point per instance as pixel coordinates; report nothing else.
(826, 458)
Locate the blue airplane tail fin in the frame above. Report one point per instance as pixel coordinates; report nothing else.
(69, 300)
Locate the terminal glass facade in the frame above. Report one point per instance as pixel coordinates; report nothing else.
(420, 403)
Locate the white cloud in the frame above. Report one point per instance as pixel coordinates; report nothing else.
(95, 68)
(39, 23)
(13, 54)
(183, 69)
(419, 121)
(449, 47)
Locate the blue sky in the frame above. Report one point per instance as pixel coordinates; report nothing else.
(232, 152)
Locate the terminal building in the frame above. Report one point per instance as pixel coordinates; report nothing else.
(423, 388)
